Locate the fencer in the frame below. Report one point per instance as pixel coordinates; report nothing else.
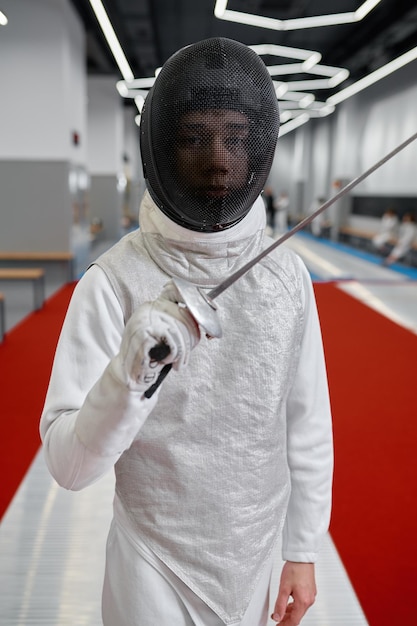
(387, 231)
(232, 455)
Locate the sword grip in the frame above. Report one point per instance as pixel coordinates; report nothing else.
(158, 353)
(162, 374)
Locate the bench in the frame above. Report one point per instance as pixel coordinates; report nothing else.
(347, 233)
(356, 236)
(2, 318)
(36, 275)
(366, 235)
(58, 256)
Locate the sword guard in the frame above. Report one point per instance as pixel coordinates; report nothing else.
(203, 310)
(201, 307)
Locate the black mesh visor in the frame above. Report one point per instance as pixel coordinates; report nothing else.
(208, 133)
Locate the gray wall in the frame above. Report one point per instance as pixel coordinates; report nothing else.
(35, 205)
(105, 203)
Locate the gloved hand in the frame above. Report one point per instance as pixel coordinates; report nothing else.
(158, 333)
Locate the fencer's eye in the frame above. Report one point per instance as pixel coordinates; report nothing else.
(235, 142)
(192, 141)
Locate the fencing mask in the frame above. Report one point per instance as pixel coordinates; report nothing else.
(208, 133)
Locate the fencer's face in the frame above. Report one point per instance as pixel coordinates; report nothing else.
(212, 156)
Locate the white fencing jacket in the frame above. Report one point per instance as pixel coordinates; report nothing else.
(233, 450)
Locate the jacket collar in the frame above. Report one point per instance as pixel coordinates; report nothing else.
(204, 259)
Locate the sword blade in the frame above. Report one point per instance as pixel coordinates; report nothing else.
(216, 291)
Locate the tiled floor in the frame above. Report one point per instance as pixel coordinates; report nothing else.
(52, 541)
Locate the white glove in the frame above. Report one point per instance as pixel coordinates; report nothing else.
(158, 333)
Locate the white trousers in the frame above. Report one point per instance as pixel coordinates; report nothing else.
(139, 590)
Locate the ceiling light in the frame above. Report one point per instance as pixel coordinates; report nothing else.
(328, 70)
(294, 95)
(333, 81)
(112, 40)
(316, 105)
(295, 85)
(250, 19)
(122, 88)
(126, 91)
(309, 56)
(285, 116)
(365, 8)
(289, 68)
(3, 19)
(311, 61)
(338, 78)
(374, 77)
(292, 114)
(287, 105)
(293, 124)
(306, 101)
(310, 65)
(337, 74)
(221, 11)
(326, 110)
(280, 89)
(220, 7)
(318, 20)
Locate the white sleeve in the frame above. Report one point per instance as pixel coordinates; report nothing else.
(310, 444)
(89, 417)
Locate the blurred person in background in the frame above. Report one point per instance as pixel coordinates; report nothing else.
(407, 234)
(387, 231)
